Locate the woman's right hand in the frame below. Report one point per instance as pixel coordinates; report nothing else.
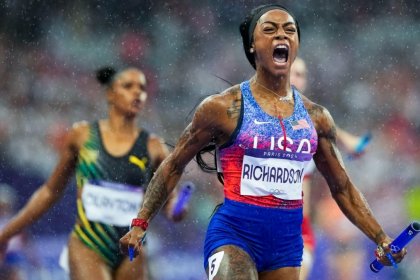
(134, 239)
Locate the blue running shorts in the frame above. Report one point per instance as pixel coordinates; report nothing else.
(271, 236)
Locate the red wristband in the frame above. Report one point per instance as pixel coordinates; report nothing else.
(142, 223)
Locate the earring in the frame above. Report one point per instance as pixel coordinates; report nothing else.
(251, 50)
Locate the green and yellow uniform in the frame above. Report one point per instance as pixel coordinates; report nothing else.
(112, 191)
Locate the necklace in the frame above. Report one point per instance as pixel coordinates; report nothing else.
(285, 98)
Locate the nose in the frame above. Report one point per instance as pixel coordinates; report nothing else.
(280, 34)
(137, 91)
(280, 37)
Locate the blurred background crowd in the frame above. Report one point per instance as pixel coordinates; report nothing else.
(363, 59)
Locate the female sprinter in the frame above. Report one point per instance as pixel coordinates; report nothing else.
(113, 160)
(266, 133)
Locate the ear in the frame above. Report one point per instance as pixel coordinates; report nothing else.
(252, 48)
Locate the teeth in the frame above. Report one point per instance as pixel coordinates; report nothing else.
(281, 52)
(281, 47)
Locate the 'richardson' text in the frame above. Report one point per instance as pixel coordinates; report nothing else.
(272, 174)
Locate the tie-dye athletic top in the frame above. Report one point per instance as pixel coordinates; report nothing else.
(261, 168)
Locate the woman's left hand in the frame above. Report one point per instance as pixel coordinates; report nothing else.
(386, 255)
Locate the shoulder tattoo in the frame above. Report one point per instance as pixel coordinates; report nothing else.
(234, 109)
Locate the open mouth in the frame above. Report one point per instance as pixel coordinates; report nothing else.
(136, 103)
(281, 53)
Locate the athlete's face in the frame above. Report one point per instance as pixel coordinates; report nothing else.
(298, 75)
(127, 94)
(275, 41)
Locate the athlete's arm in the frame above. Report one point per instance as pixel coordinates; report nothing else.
(350, 200)
(198, 133)
(158, 152)
(213, 120)
(47, 194)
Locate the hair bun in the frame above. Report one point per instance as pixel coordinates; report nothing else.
(105, 75)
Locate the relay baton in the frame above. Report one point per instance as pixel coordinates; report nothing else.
(396, 246)
(187, 188)
(131, 253)
(361, 146)
(131, 249)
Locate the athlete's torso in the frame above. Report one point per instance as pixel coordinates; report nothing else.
(95, 163)
(111, 190)
(258, 166)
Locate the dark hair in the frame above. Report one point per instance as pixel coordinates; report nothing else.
(105, 75)
(209, 163)
(246, 28)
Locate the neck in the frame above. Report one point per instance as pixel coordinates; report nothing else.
(278, 84)
(121, 124)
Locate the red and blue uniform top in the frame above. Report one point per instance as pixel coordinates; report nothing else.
(265, 159)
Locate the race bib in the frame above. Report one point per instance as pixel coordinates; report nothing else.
(277, 173)
(110, 203)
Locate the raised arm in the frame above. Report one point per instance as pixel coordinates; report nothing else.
(47, 194)
(350, 200)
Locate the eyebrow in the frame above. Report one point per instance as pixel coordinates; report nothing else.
(276, 24)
